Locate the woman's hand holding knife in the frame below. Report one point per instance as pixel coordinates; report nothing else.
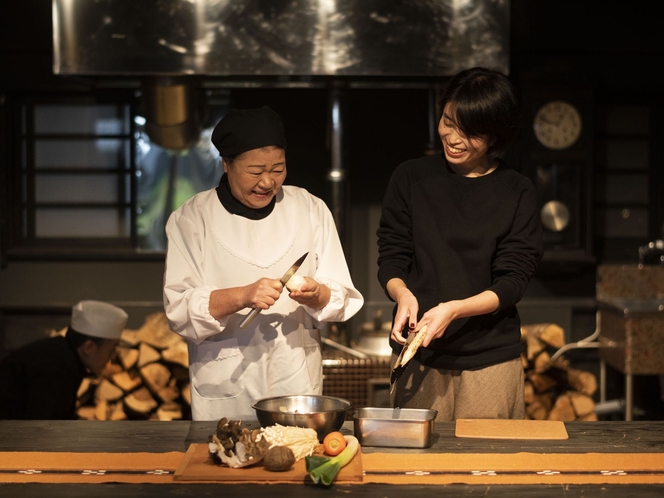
(407, 308)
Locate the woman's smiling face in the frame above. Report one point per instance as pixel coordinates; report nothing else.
(256, 176)
(460, 150)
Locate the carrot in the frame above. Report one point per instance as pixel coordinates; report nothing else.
(325, 469)
(334, 443)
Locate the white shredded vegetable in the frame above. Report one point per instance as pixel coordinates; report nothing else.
(300, 440)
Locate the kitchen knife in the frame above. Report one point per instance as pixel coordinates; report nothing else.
(408, 351)
(291, 271)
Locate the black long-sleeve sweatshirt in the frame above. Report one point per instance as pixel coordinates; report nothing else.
(450, 237)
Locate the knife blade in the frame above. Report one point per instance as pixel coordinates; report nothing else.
(407, 349)
(291, 271)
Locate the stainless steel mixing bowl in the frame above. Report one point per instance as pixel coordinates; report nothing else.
(324, 414)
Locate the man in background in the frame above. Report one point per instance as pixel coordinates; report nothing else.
(40, 381)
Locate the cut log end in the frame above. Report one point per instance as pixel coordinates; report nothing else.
(147, 378)
(554, 390)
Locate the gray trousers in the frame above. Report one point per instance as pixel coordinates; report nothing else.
(491, 392)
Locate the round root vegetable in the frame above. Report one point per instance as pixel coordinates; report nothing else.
(279, 459)
(295, 282)
(334, 443)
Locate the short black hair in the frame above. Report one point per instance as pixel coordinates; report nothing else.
(487, 104)
(77, 339)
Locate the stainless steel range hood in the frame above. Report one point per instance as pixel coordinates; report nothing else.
(279, 37)
(175, 46)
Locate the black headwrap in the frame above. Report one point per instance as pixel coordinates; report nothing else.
(241, 130)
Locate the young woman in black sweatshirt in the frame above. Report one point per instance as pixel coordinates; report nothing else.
(459, 240)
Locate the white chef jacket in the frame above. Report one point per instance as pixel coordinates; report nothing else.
(279, 352)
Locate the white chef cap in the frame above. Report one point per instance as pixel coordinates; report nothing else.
(98, 319)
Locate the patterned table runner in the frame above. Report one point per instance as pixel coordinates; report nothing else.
(389, 468)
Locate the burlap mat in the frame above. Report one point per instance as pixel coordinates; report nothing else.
(56, 467)
(514, 468)
(387, 468)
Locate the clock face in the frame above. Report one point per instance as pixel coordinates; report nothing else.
(557, 124)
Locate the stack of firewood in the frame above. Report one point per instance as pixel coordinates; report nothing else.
(553, 389)
(147, 378)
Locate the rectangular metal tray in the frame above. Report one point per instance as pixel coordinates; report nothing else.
(394, 427)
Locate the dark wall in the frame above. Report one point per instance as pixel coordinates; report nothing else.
(382, 128)
(26, 38)
(598, 30)
(615, 51)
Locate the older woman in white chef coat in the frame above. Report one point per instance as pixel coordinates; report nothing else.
(227, 249)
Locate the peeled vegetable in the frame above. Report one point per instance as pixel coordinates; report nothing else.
(324, 470)
(295, 282)
(413, 346)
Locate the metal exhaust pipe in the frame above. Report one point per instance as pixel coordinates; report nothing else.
(172, 112)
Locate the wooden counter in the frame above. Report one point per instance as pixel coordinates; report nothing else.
(158, 437)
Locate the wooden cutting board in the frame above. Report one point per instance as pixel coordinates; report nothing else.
(196, 465)
(510, 429)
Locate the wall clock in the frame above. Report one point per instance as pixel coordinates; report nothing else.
(557, 124)
(557, 155)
